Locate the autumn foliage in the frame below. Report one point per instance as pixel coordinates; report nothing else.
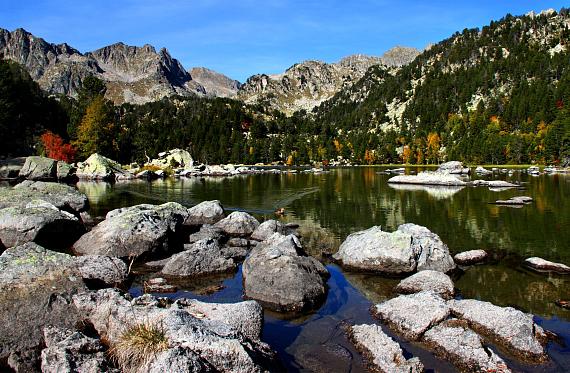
(56, 148)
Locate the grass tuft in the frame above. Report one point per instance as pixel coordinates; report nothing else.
(138, 345)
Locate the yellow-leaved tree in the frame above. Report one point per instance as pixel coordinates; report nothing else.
(96, 132)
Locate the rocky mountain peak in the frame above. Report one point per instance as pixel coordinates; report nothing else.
(216, 84)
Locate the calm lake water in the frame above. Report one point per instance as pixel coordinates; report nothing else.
(330, 206)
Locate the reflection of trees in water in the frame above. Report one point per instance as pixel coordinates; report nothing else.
(506, 286)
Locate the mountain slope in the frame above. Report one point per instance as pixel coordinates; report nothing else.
(307, 84)
(216, 84)
(511, 77)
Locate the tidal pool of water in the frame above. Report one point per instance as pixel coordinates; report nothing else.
(332, 205)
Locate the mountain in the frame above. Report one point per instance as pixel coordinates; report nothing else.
(495, 94)
(215, 83)
(132, 74)
(307, 84)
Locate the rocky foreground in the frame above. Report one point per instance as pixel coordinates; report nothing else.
(64, 308)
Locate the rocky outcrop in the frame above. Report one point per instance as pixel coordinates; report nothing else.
(62, 196)
(412, 315)
(36, 286)
(279, 276)
(382, 352)
(470, 257)
(428, 178)
(175, 158)
(309, 83)
(207, 212)
(543, 265)
(135, 231)
(214, 83)
(453, 341)
(202, 258)
(72, 351)
(98, 167)
(197, 337)
(238, 223)
(436, 281)
(513, 330)
(411, 248)
(39, 222)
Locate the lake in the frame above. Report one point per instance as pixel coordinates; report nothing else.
(330, 206)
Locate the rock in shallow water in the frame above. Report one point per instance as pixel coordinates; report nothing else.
(382, 351)
(411, 315)
(280, 277)
(207, 212)
(135, 231)
(453, 341)
(470, 257)
(543, 265)
(238, 223)
(436, 281)
(266, 230)
(410, 248)
(199, 259)
(428, 178)
(62, 196)
(39, 168)
(511, 329)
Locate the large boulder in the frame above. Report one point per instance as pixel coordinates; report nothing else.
(62, 196)
(453, 341)
(436, 281)
(470, 257)
(100, 271)
(204, 257)
(65, 171)
(207, 232)
(36, 286)
(267, 229)
(410, 248)
(412, 315)
(175, 158)
(382, 352)
(279, 276)
(196, 336)
(432, 252)
(39, 168)
(72, 351)
(39, 222)
(98, 167)
(511, 329)
(207, 212)
(238, 223)
(135, 231)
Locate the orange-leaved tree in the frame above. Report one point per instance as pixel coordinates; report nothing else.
(56, 148)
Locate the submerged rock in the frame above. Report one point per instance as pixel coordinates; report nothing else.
(135, 231)
(411, 315)
(39, 222)
(436, 281)
(194, 340)
(453, 341)
(207, 212)
(72, 351)
(470, 257)
(543, 265)
(158, 285)
(39, 168)
(512, 329)
(410, 248)
(62, 196)
(238, 223)
(280, 277)
(381, 351)
(201, 258)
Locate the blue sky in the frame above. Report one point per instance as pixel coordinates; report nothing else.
(243, 37)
